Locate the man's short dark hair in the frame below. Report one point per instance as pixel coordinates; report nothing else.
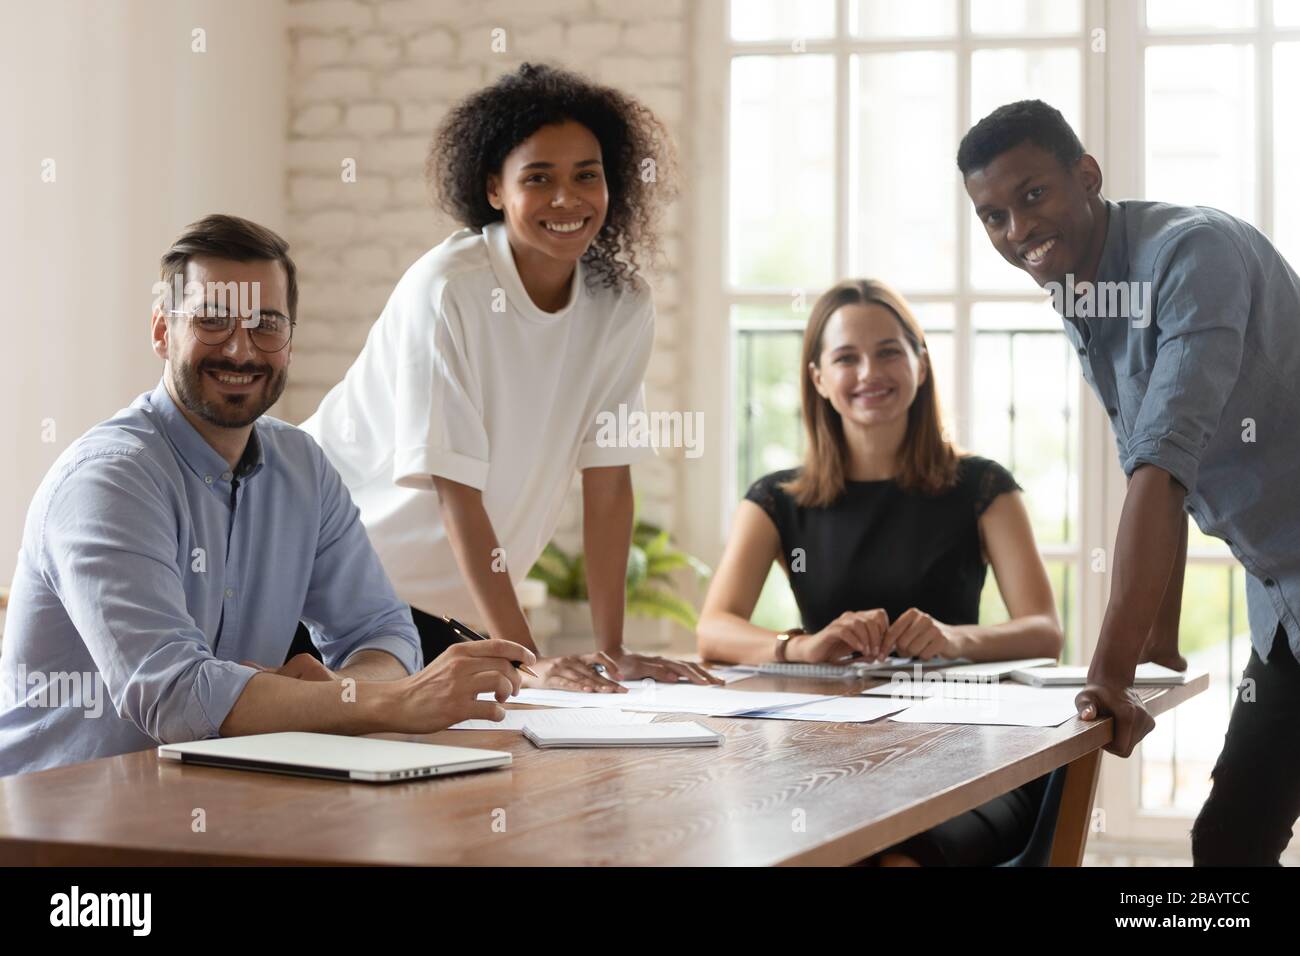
(1026, 121)
(230, 237)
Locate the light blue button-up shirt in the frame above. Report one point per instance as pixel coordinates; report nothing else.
(1203, 381)
(148, 571)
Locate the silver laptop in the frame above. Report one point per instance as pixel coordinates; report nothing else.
(334, 757)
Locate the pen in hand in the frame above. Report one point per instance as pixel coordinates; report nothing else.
(463, 633)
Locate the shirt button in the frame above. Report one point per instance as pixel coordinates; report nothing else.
(226, 476)
(1112, 411)
(1083, 351)
(208, 479)
(1269, 582)
(230, 592)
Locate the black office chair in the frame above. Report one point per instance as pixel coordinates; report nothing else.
(1038, 851)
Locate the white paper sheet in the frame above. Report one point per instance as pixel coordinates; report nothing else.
(839, 710)
(1050, 712)
(556, 717)
(966, 690)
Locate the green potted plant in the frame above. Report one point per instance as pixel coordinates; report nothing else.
(652, 559)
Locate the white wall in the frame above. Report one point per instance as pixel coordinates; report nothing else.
(146, 136)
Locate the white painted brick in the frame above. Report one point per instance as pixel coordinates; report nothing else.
(420, 117)
(306, 191)
(312, 50)
(318, 368)
(302, 400)
(654, 37)
(666, 322)
(370, 118)
(635, 72)
(334, 81)
(315, 119)
(341, 223)
(400, 224)
(398, 153)
(436, 44)
(594, 36)
(665, 291)
(663, 368)
(411, 190)
(369, 260)
(370, 191)
(406, 13)
(327, 14)
(499, 65)
(322, 155)
(541, 42)
(666, 102)
(633, 10)
(376, 49)
(508, 11)
(430, 82)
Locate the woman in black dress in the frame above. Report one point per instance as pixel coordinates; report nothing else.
(886, 533)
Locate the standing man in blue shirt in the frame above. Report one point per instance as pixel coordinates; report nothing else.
(1187, 325)
(171, 551)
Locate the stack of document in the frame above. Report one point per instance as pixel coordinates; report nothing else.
(1147, 675)
(556, 717)
(686, 733)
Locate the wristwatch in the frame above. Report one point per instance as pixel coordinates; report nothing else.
(783, 639)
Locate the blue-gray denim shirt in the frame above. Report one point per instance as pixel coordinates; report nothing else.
(1201, 377)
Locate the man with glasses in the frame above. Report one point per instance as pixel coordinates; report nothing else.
(171, 551)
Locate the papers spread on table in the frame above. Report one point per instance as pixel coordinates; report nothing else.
(840, 710)
(556, 717)
(665, 699)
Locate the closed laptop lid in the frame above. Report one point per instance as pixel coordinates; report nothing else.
(369, 755)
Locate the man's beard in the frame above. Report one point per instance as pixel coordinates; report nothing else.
(233, 411)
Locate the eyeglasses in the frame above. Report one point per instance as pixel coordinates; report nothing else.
(269, 331)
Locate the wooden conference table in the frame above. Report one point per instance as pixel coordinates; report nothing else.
(776, 792)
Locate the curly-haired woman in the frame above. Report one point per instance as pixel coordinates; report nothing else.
(481, 387)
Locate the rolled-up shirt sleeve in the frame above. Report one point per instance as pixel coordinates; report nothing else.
(108, 551)
(1202, 297)
(350, 604)
(439, 403)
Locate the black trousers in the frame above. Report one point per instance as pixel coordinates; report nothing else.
(435, 637)
(986, 836)
(1255, 798)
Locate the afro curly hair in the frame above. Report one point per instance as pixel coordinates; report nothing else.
(478, 134)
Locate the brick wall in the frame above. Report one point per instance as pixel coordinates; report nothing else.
(369, 80)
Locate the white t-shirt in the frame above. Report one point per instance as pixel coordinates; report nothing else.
(464, 377)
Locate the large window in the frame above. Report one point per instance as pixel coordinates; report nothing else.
(844, 120)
